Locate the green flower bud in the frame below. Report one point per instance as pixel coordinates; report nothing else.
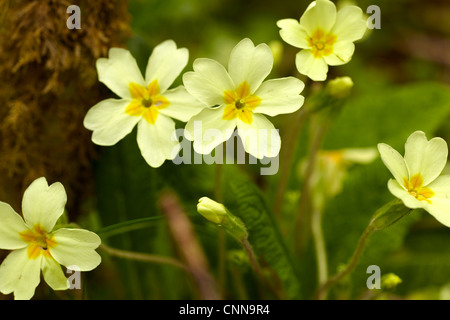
(390, 281)
(389, 214)
(340, 87)
(218, 214)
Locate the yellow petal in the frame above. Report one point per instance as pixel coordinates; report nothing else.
(243, 90)
(229, 96)
(252, 102)
(245, 116)
(153, 88)
(151, 114)
(230, 112)
(137, 91)
(134, 108)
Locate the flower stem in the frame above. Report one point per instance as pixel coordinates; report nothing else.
(321, 293)
(287, 158)
(319, 244)
(126, 226)
(303, 216)
(144, 257)
(257, 269)
(221, 235)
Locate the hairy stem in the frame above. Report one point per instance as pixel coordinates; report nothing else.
(221, 235)
(321, 293)
(144, 257)
(289, 151)
(319, 245)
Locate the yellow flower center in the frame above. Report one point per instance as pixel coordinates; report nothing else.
(415, 188)
(146, 102)
(240, 103)
(321, 44)
(39, 241)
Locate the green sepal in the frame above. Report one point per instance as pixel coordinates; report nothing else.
(389, 214)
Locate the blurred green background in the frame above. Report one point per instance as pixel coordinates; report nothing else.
(401, 84)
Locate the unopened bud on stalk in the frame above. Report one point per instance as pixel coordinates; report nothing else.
(340, 87)
(218, 214)
(211, 210)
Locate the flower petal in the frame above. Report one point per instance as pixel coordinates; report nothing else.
(394, 162)
(408, 200)
(425, 157)
(208, 81)
(260, 138)
(76, 247)
(440, 202)
(118, 71)
(350, 24)
(53, 274)
(109, 121)
(157, 141)
(293, 33)
(359, 155)
(208, 129)
(307, 64)
(441, 187)
(320, 14)
(165, 64)
(43, 204)
(20, 275)
(342, 53)
(249, 63)
(440, 209)
(183, 105)
(280, 96)
(10, 226)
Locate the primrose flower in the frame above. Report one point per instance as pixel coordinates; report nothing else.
(147, 103)
(37, 245)
(325, 34)
(417, 182)
(331, 168)
(239, 98)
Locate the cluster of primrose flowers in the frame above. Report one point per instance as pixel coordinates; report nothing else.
(223, 99)
(219, 98)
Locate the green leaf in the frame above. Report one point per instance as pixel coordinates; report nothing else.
(390, 115)
(249, 205)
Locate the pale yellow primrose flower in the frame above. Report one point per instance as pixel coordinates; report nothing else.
(146, 102)
(36, 246)
(331, 168)
(417, 182)
(238, 97)
(325, 34)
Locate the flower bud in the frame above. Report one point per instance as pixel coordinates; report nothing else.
(389, 214)
(218, 214)
(340, 87)
(390, 281)
(211, 210)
